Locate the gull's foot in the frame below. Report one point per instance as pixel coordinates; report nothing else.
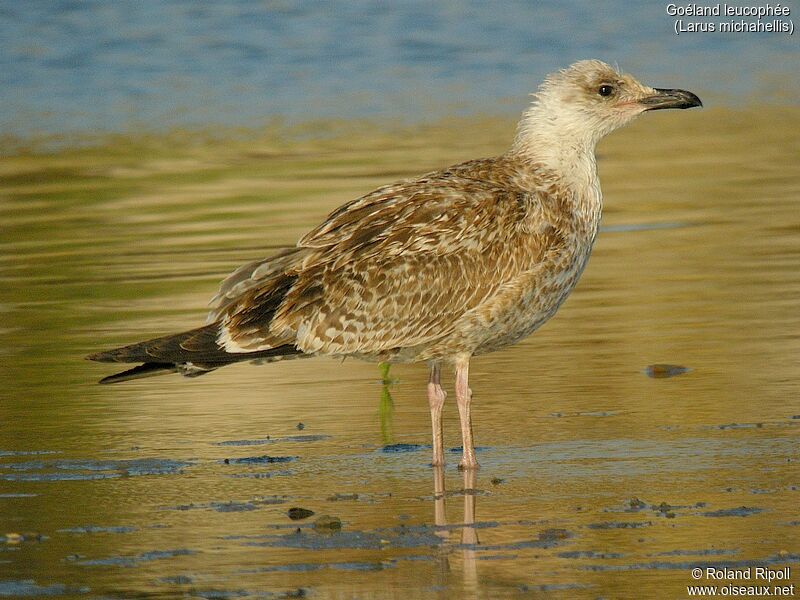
(466, 465)
(438, 458)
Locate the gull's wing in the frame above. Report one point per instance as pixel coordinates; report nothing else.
(394, 269)
(249, 276)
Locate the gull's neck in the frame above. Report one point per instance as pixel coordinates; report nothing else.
(564, 146)
(559, 142)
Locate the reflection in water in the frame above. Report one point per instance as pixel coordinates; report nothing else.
(469, 535)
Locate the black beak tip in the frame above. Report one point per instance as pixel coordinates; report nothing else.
(666, 98)
(692, 100)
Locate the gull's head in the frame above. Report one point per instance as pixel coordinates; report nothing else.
(590, 99)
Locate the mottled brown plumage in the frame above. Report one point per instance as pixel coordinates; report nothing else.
(455, 263)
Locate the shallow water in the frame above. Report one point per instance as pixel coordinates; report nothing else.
(602, 474)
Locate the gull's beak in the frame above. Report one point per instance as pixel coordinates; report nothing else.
(670, 99)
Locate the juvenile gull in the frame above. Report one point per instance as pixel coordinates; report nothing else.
(455, 263)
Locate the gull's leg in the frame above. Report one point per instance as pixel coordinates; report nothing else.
(436, 396)
(464, 397)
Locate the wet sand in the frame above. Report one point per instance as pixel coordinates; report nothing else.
(650, 428)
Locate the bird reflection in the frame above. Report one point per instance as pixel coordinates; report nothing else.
(469, 535)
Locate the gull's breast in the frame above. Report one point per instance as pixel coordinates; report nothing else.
(525, 302)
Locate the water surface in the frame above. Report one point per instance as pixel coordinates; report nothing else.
(597, 480)
(70, 68)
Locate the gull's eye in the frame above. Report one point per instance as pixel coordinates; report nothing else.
(605, 90)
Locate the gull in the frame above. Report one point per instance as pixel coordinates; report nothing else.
(456, 263)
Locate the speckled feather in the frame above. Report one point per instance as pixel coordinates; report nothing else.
(420, 269)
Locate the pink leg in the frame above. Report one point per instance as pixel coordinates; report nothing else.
(464, 397)
(439, 513)
(436, 397)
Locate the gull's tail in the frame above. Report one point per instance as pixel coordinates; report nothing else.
(191, 353)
